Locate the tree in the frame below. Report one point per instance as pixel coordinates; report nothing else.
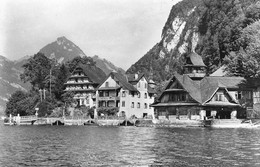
(83, 60)
(68, 98)
(36, 70)
(61, 77)
(12, 106)
(245, 62)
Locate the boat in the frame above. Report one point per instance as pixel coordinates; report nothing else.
(90, 123)
(57, 122)
(128, 123)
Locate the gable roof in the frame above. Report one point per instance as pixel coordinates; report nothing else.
(131, 78)
(122, 81)
(191, 87)
(210, 87)
(96, 75)
(202, 91)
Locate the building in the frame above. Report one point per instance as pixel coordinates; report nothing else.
(196, 96)
(83, 83)
(131, 94)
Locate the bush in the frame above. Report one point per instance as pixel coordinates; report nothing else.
(108, 111)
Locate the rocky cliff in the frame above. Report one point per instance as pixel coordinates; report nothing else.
(211, 28)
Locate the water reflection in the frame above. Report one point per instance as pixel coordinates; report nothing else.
(127, 146)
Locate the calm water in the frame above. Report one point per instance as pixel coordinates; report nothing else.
(127, 146)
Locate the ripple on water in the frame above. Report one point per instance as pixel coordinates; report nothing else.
(127, 146)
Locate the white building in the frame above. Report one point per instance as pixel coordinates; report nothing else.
(132, 95)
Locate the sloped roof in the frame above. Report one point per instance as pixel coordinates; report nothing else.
(196, 59)
(219, 72)
(228, 82)
(95, 74)
(123, 81)
(191, 87)
(131, 78)
(151, 90)
(204, 90)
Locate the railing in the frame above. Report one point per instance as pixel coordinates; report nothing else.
(31, 117)
(109, 98)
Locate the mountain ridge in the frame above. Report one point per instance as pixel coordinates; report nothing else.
(211, 28)
(62, 50)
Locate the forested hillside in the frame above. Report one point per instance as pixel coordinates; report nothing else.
(218, 30)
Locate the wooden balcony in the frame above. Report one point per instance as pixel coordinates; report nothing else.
(110, 98)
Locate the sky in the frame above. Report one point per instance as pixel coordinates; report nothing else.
(121, 31)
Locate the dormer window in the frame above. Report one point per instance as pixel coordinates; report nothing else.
(219, 97)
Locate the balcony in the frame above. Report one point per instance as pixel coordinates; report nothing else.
(108, 98)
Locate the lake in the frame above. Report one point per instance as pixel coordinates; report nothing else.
(127, 146)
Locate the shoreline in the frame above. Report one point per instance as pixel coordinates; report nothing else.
(215, 123)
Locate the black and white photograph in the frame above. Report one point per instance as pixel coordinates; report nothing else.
(91, 83)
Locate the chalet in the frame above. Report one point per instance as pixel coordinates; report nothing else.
(194, 95)
(83, 83)
(131, 94)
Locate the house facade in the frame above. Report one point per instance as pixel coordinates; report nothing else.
(83, 84)
(196, 96)
(132, 95)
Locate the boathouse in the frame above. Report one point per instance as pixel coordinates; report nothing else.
(194, 95)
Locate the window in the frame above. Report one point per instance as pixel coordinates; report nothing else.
(101, 93)
(145, 105)
(139, 95)
(123, 103)
(138, 105)
(219, 97)
(183, 97)
(239, 95)
(106, 93)
(107, 84)
(123, 93)
(247, 94)
(133, 105)
(145, 95)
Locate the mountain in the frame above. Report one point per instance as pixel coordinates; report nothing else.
(212, 28)
(106, 65)
(9, 81)
(64, 50)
